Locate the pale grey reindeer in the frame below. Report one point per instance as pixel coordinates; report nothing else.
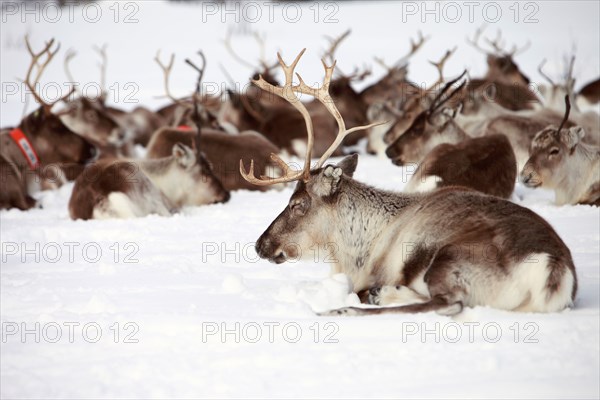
(560, 161)
(442, 251)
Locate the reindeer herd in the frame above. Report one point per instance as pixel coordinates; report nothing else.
(452, 239)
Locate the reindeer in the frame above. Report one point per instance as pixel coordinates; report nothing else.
(562, 162)
(136, 188)
(125, 189)
(426, 252)
(400, 115)
(89, 118)
(431, 127)
(504, 83)
(387, 98)
(42, 152)
(555, 93)
(486, 164)
(221, 150)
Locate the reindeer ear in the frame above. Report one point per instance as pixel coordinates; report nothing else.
(573, 136)
(348, 164)
(184, 155)
(326, 183)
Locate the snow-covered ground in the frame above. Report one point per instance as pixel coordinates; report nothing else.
(182, 306)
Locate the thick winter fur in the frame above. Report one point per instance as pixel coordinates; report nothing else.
(486, 164)
(223, 152)
(135, 188)
(451, 248)
(563, 163)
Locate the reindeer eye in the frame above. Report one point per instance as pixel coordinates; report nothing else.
(554, 151)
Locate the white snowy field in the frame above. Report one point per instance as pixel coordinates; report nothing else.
(182, 307)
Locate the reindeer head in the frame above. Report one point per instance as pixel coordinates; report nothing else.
(551, 148)
(501, 65)
(303, 223)
(89, 119)
(300, 225)
(199, 185)
(426, 130)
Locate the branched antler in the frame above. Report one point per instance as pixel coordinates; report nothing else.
(334, 42)
(440, 65)
(166, 68)
(543, 74)
(102, 65)
(35, 62)
(196, 98)
(415, 45)
(288, 92)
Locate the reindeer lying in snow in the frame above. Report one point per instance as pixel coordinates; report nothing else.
(222, 151)
(486, 164)
(560, 161)
(128, 189)
(42, 152)
(439, 252)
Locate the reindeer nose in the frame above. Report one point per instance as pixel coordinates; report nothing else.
(391, 152)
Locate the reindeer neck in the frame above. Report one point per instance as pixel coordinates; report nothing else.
(361, 212)
(574, 186)
(155, 167)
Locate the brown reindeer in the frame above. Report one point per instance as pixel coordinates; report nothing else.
(136, 188)
(221, 150)
(562, 162)
(486, 164)
(431, 127)
(503, 83)
(418, 252)
(401, 115)
(88, 117)
(391, 97)
(41, 152)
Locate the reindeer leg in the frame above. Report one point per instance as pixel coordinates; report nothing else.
(438, 304)
(399, 295)
(445, 283)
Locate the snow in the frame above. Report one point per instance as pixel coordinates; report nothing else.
(185, 306)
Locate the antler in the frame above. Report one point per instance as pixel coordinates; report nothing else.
(440, 65)
(196, 115)
(497, 44)
(414, 47)
(104, 61)
(543, 74)
(68, 57)
(261, 44)
(567, 111)
(322, 94)
(334, 42)
(35, 58)
(438, 101)
(167, 72)
(288, 92)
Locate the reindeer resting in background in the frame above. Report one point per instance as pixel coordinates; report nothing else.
(136, 188)
(42, 152)
(561, 161)
(428, 252)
